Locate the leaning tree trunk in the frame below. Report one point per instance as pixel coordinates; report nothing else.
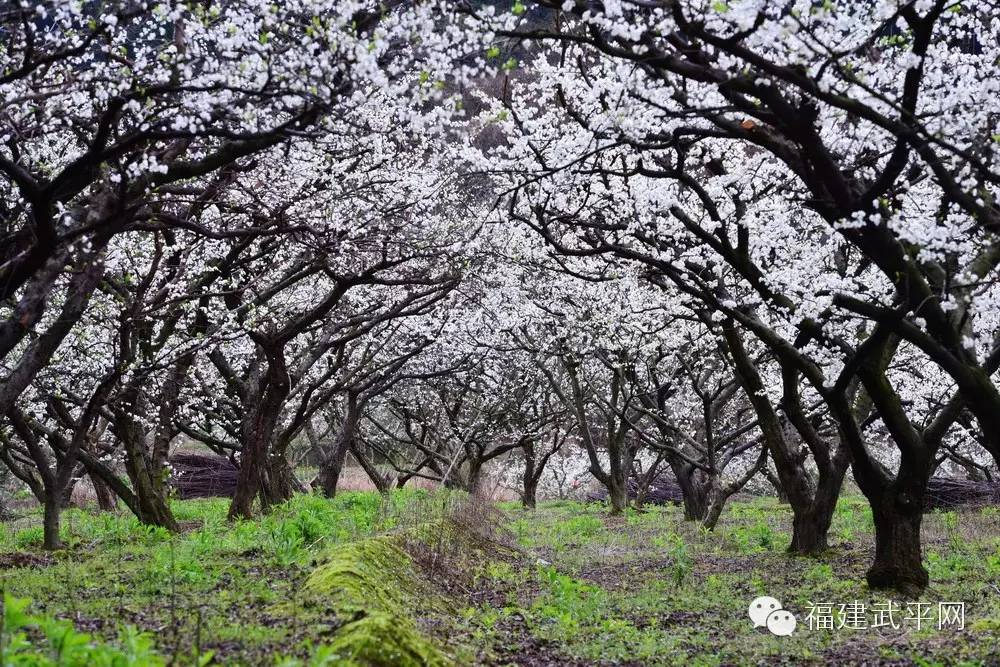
(382, 483)
(779, 490)
(716, 501)
(153, 508)
(807, 502)
(107, 501)
(66, 495)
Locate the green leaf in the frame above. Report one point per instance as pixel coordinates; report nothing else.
(493, 52)
(519, 8)
(15, 614)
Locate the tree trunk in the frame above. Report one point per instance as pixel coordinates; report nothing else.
(640, 496)
(116, 487)
(258, 429)
(474, 478)
(898, 562)
(280, 482)
(153, 508)
(529, 480)
(50, 522)
(529, 497)
(618, 469)
(695, 506)
(333, 465)
(644, 481)
(381, 482)
(776, 483)
(692, 491)
(812, 501)
(810, 526)
(617, 494)
(808, 533)
(66, 495)
(716, 500)
(106, 499)
(329, 473)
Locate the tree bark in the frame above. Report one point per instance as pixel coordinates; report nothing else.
(153, 508)
(529, 480)
(809, 532)
(617, 493)
(329, 474)
(380, 481)
(779, 490)
(812, 502)
(473, 479)
(333, 464)
(106, 499)
(50, 522)
(692, 491)
(529, 496)
(898, 560)
(258, 429)
(280, 482)
(716, 502)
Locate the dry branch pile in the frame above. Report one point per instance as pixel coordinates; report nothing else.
(948, 492)
(663, 490)
(201, 476)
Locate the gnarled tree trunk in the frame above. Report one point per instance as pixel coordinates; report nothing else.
(333, 461)
(898, 560)
(258, 429)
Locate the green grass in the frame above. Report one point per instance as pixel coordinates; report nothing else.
(213, 588)
(654, 589)
(647, 587)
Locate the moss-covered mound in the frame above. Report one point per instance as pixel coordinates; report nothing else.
(384, 640)
(373, 588)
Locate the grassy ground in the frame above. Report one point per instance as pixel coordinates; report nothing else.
(565, 584)
(650, 589)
